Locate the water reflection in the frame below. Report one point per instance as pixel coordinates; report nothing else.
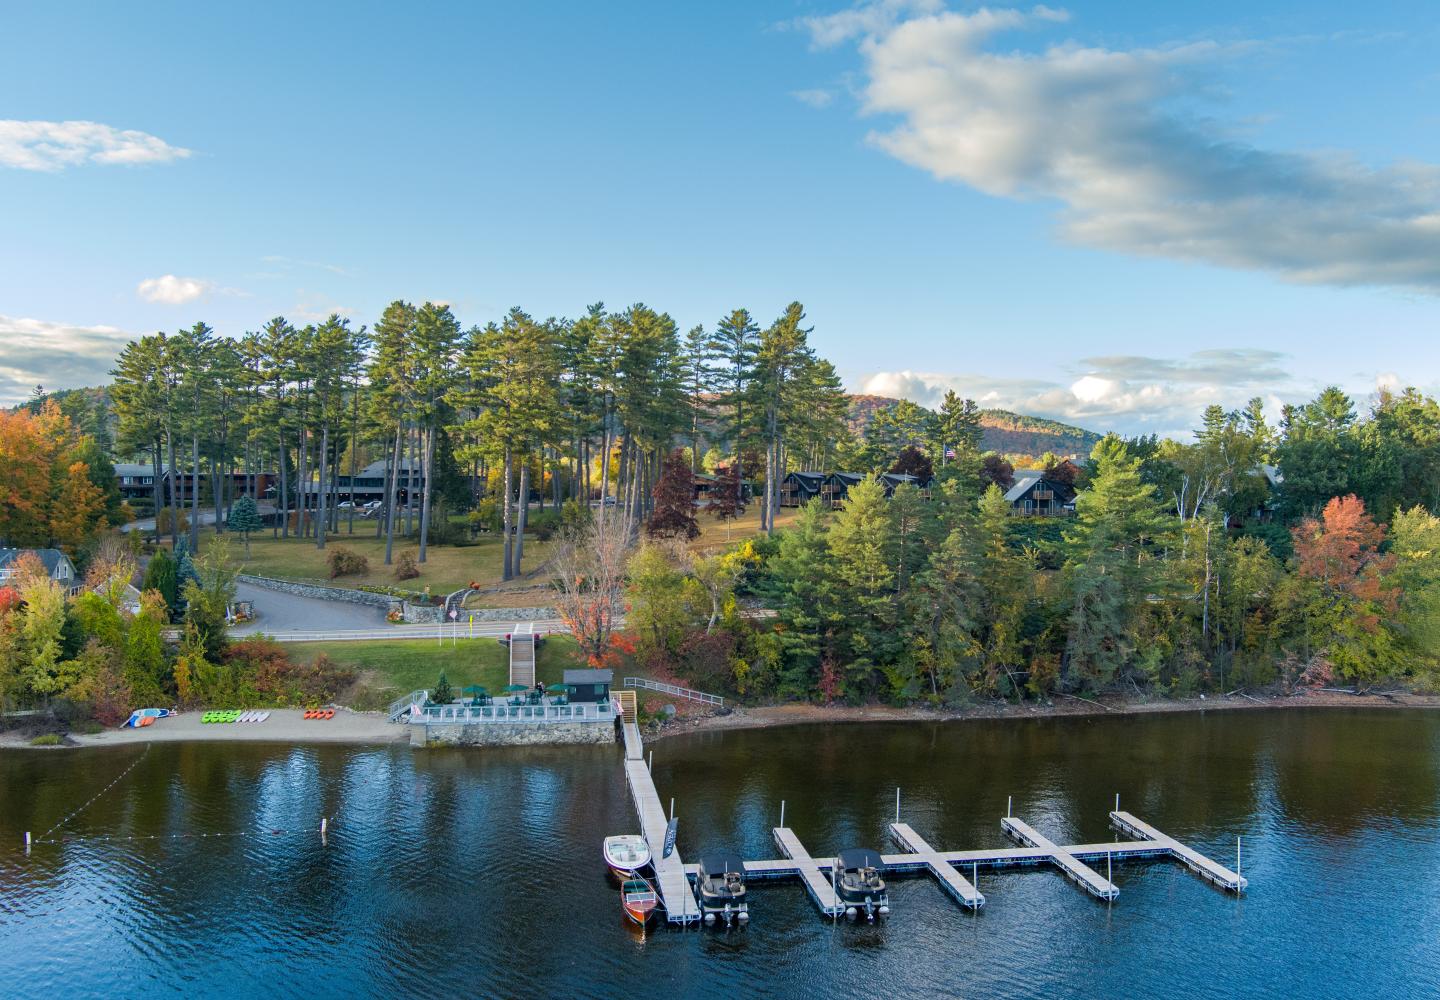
(477, 873)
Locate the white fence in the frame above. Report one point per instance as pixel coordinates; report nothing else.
(515, 714)
(679, 692)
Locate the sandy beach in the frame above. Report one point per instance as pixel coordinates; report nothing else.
(285, 725)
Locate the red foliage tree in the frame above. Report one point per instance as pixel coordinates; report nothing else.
(1341, 551)
(914, 462)
(994, 469)
(674, 513)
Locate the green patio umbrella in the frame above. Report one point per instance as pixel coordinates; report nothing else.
(474, 689)
(511, 688)
(561, 689)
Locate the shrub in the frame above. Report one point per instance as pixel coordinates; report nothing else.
(442, 695)
(543, 524)
(345, 561)
(46, 740)
(162, 522)
(406, 568)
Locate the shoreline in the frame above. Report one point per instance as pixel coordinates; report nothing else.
(285, 725)
(371, 728)
(801, 714)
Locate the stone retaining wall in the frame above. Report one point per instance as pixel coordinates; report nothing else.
(320, 593)
(462, 734)
(508, 614)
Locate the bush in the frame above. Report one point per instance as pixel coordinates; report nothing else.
(260, 670)
(46, 740)
(345, 561)
(443, 694)
(543, 524)
(162, 522)
(406, 568)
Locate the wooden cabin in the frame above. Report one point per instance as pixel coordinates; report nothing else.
(1033, 495)
(837, 487)
(799, 488)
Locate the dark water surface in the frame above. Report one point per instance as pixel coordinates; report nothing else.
(478, 873)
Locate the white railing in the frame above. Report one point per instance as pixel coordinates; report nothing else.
(400, 706)
(504, 714)
(679, 692)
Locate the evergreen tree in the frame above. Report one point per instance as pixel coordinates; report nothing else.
(244, 519)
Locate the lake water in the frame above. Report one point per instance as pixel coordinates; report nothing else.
(478, 873)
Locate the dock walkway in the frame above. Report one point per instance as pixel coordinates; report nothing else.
(1187, 856)
(821, 891)
(1083, 875)
(950, 880)
(673, 885)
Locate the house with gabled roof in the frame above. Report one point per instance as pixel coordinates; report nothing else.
(56, 563)
(1032, 494)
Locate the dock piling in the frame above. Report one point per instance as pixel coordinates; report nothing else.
(897, 803)
(27, 841)
(1008, 810)
(782, 812)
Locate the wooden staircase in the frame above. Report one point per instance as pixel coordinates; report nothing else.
(625, 704)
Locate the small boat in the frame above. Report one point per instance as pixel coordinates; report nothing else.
(858, 883)
(626, 854)
(721, 888)
(638, 898)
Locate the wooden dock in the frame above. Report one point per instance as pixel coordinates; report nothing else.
(950, 880)
(821, 891)
(672, 883)
(1082, 874)
(634, 748)
(1189, 857)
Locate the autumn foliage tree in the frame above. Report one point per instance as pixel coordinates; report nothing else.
(47, 494)
(674, 512)
(1341, 576)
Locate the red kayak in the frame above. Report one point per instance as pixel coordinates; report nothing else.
(638, 898)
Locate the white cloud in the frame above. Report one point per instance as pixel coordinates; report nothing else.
(1100, 131)
(171, 290)
(816, 97)
(1127, 393)
(34, 145)
(55, 355)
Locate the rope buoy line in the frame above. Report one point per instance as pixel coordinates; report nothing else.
(326, 822)
(67, 818)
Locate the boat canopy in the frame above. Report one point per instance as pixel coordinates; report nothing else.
(720, 862)
(859, 857)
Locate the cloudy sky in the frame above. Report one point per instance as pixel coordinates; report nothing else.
(1109, 213)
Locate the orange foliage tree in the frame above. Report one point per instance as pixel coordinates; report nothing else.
(47, 497)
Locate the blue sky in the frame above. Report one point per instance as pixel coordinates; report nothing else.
(1109, 213)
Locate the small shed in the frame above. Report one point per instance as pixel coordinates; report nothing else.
(590, 685)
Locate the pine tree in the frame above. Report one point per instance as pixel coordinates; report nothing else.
(245, 518)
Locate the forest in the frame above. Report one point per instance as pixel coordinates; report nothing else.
(1300, 552)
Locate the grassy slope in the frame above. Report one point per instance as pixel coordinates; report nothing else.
(446, 568)
(399, 666)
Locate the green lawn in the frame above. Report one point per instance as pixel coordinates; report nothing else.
(447, 568)
(391, 668)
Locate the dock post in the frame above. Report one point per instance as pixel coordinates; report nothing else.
(1008, 812)
(1117, 802)
(1237, 863)
(975, 881)
(324, 825)
(27, 841)
(782, 812)
(897, 803)
(651, 766)
(1108, 876)
(672, 807)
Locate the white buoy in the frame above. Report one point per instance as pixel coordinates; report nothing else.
(743, 916)
(850, 912)
(709, 918)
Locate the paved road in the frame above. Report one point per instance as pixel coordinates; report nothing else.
(278, 613)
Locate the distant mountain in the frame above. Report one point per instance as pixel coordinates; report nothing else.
(1003, 431)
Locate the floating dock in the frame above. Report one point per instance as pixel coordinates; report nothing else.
(950, 880)
(820, 887)
(1075, 869)
(672, 882)
(817, 874)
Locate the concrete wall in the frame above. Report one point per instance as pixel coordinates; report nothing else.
(461, 734)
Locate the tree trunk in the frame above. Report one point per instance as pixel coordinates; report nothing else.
(157, 484)
(282, 496)
(410, 483)
(505, 524)
(321, 524)
(195, 493)
(173, 498)
(524, 513)
(390, 484)
(428, 474)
